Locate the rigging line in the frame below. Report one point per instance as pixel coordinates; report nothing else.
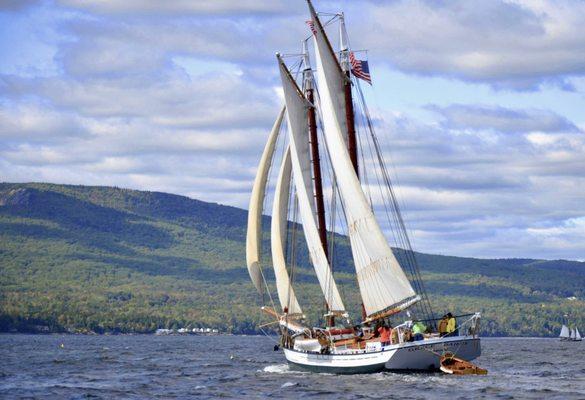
(410, 254)
(332, 177)
(379, 286)
(394, 169)
(262, 233)
(363, 115)
(399, 237)
(380, 186)
(365, 167)
(292, 267)
(319, 121)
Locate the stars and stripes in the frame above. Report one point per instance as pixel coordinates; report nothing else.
(359, 68)
(311, 25)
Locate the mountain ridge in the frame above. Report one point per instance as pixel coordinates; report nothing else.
(104, 259)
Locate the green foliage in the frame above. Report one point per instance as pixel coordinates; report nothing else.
(101, 259)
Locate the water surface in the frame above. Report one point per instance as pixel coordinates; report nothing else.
(166, 367)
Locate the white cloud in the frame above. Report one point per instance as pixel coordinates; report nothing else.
(180, 96)
(461, 116)
(182, 7)
(508, 44)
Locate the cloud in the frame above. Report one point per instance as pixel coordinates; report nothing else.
(16, 5)
(180, 96)
(480, 117)
(508, 44)
(182, 7)
(469, 193)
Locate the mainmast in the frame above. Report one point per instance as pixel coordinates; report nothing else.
(349, 112)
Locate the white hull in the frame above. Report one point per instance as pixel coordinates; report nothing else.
(420, 355)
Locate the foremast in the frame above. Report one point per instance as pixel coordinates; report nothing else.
(298, 127)
(384, 287)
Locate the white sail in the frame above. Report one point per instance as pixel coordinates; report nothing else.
(278, 229)
(298, 127)
(564, 332)
(572, 334)
(578, 334)
(383, 284)
(254, 234)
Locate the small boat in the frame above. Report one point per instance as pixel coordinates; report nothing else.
(456, 366)
(575, 335)
(570, 335)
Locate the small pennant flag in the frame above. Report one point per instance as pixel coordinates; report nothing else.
(359, 68)
(311, 24)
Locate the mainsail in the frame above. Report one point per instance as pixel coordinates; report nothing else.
(564, 332)
(297, 105)
(254, 234)
(278, 229)
(383, 284)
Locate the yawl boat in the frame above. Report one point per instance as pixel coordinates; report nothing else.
(321, 131)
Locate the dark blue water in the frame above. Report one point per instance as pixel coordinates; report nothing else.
(166, 367)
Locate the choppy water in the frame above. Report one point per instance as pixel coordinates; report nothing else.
(139, 367)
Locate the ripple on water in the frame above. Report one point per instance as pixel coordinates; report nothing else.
(277, 369)
(200, 367)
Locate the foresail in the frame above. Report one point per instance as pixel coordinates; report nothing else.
(254, 234)
(278, 229)
(301, 166)
(382, 282)
(564, 332)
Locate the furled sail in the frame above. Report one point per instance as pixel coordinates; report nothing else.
(564, 332)
(382, 282)
(254, 234)
(296, 106)
(278, 229)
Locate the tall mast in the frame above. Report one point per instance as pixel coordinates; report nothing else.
(314, 140)
(308, 88)
(349, 112)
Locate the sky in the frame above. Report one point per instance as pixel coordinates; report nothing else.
(480, 106)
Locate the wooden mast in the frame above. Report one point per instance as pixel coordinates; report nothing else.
(316, 162)
(349, 112)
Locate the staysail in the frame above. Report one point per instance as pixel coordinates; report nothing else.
(382, 282)
(578, 335)
(278, 229)
(301, 166)
(254, 234)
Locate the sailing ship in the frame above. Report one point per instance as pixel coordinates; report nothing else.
(324, 143)
(570, 335)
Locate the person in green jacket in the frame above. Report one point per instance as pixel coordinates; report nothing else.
(452, 325)
(418, 328)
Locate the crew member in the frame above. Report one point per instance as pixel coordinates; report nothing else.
(418, 328)
(443, 325)
(384, 333)
(452, 325)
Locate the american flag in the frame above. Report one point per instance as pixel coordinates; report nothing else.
(311, 24)
(360, 68)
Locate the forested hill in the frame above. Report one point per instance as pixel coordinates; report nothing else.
(102, 259)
